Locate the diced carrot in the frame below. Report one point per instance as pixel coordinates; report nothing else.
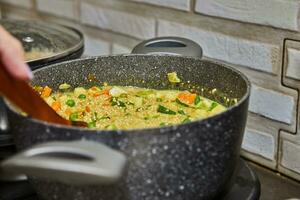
(56, 105)
(96, 94)
(105, 104)
(88, 109)
(68, 111)
(46, 91)
(187, 97)
(105, 92)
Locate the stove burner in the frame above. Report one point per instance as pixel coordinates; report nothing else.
(245, 187)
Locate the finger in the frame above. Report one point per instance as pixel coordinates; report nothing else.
(12, 57)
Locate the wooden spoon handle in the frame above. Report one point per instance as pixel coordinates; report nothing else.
(21, 94)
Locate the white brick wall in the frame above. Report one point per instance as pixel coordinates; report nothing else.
(126, 23)
(95, 47)
(293, 66)
(259, 143)
(177, 4)
(277, 13)
(20, 3)
(120, 49)
(291, 156)
(256, 55)
(62, 8)
(271, 104)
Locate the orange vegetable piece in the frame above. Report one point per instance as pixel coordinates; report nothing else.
(46, 91)
(56, 105)
(96, 94)
(187, 97)
(68, 111)
(105, 92)
(88, 109)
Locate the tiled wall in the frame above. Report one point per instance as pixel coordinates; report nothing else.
(258, 37)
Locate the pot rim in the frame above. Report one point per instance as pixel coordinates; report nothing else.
(137, 130)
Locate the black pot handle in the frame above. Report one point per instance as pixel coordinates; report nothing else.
(77, 163)
(169, 45)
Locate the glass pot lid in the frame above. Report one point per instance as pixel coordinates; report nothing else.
(43, 40)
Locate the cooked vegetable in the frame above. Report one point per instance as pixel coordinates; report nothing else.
(213, 105)
(46, 92)
(118, 107)
(187, 97)
(165, 110)
(82, 96)
(73, 116)
(70, 102)
(197, 100)
(64, 86)
(173, 78)
(56, 105)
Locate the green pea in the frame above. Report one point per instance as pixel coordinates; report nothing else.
(92, 124)
(82, 96)
(73, 116)
(70, 102)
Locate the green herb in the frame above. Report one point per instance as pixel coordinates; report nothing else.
(197, 100)
(64, 86)
(159, 100)
(173, 78)
(138, 109)
(111, 127)
(130, 103)
(104, 117)
(54, 98)
(165, 110)
(181, 112)
(127, 114)
(117, 102)
(94, 116)
(82, 96)
(70, 102)
(73, 116)
(186, 120)
(162, 124)
(92, 124)
(212, 106)
(180, 103)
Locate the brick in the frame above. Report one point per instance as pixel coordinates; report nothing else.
(62, 8)
(253, 54)
(290, 156)
(22, 3)
(120, 49)
(177, 4)
(118, 21)
(293, 66)
(259, 143)
(95, 47)
(272, 104)
(276, 13)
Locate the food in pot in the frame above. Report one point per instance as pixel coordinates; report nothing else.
(124, 107)
(36, 53)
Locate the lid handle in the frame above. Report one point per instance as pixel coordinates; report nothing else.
(170, 46)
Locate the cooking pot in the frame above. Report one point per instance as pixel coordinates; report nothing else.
(196, 160)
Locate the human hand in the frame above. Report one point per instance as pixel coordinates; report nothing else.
(12, 56)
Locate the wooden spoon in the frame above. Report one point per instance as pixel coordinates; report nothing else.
(21, 94)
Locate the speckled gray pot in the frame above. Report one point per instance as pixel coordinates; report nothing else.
(186, 162)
